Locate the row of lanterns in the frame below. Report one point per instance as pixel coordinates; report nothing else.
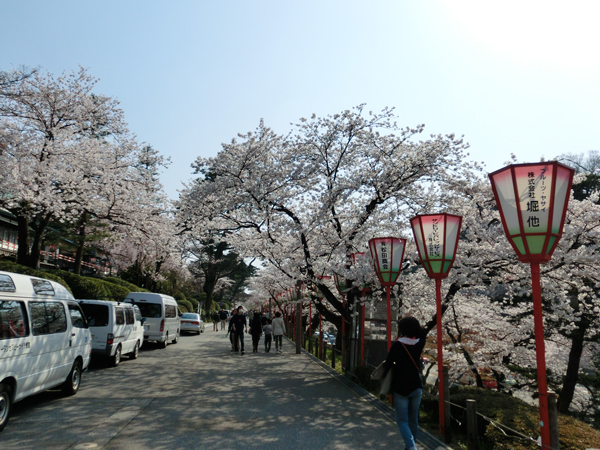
(532, 200)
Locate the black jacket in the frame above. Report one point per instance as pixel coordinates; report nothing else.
(405, 377)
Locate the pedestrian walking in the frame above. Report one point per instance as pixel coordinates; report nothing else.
(278, 331)
(404, 359)
(222, 318)
(239, 326)
(268, 330)
(215, 319)
(256, 330)
(231, 333)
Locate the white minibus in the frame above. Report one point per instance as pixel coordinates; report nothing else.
(115, 329)
(44, 339)
(161, 316)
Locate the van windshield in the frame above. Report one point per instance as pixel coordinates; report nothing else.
(97, 315)
(150, 310)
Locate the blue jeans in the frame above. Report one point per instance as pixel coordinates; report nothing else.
(407, 416)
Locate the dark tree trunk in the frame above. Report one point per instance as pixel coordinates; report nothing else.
(23, 239)
(572, 376)
(80, 243)
(34, 256)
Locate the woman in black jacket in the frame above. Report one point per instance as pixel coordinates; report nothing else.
(255, 331)
(404, 359)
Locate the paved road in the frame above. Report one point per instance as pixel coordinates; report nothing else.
(197, 395)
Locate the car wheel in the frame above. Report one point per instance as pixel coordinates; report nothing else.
(164, 344)
(136, 351)
(116, 359)
(176, 340)
(73, 381)
(5, 404)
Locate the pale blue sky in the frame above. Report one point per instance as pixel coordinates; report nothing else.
(512, 76)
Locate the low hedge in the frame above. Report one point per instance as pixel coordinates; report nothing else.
(81, 287)
(185, 306)
(132, 287)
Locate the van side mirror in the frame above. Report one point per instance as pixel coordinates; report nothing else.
(143, 320)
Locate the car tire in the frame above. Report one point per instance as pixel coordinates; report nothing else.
(176, 340)
(73, 381)
(116, 359)
(5, 404)
(164, 343)
(136, 351)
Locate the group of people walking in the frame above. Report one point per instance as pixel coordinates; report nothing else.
(401, 360)
(259, 326)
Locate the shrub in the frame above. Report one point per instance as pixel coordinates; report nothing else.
(117, 293)
(132, 287)
(87, 288)
(194, 303)
(185, 306)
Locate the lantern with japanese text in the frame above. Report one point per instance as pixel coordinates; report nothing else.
(387, 254)
(436, 236)
(532, 200)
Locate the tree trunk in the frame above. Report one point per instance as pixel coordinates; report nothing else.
(23, 239)
(80, 243)
(568, 389)
(34, 256)
(468, 358)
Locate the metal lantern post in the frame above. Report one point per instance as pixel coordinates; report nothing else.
(341, 286)
(388, 254)
(363, 289)
(532, 199)
(436, 236)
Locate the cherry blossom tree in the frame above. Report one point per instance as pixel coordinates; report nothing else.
(303, 202)
(52, 130)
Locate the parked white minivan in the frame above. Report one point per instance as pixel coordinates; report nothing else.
(162, 322)
(44, 339)
(115, 329)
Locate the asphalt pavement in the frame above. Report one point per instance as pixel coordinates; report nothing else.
(197, 395)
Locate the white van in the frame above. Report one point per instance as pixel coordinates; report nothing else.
(115, 329)
(160, 313)
(44, 339)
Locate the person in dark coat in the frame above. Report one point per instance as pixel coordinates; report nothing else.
(255, 331)
(404, 359)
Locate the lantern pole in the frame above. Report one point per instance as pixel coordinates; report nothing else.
(299, 318)
(362, 329)
(440, 356)
(344, 333)
(388, 291)
(540, 351)
(309, 319)
(320, 339)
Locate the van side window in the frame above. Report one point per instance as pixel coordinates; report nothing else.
(77, 317)
(7, 284)
(129, 318)
(150, 310)
(120, 317)
(138, 314)
(13, 320)
(170, 311)
(97, 315)
(42, 286)
(47, 318)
